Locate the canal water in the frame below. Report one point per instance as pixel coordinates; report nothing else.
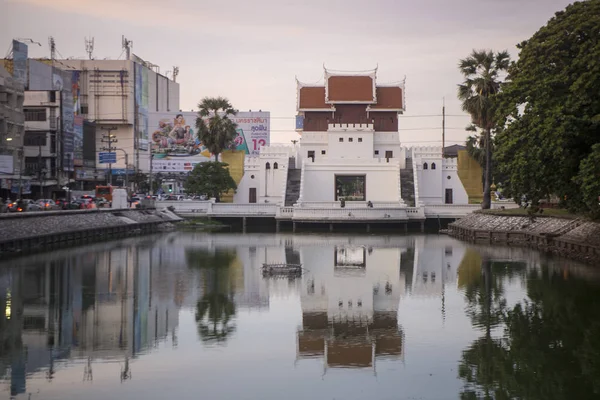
(190, 316)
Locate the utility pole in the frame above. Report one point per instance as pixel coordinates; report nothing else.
(126, 168)
(443, 126)
(151, 177)
(109, 138)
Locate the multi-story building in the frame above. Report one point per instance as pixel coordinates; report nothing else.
(118, 95)
(11, 131)
(41, 143)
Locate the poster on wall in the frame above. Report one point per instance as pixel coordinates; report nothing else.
(141, 103)
(20, 62)
(78, 141)
(6, 164)
(175, 145)
(68, 120)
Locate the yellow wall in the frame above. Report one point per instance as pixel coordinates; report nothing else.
(235, 159)
(470, 174)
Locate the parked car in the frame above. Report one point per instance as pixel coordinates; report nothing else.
(101, 202)
(174, 197)
(62, 203)
(47, 204)
(87, 202)
(24, 205)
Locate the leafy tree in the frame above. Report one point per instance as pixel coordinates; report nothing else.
(215, 128)
(478, 92)
(211, 178)
(549, 110)
(588, 179)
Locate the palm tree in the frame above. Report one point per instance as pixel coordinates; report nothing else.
(218, 132)
(482, 82)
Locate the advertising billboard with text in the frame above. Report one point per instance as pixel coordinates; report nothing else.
(175, 145)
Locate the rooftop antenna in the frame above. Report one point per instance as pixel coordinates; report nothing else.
(52, 45)
(127, 45)
(175, 73)
(89, 47)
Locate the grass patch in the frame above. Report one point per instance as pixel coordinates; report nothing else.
(200, 223)
(522, 212)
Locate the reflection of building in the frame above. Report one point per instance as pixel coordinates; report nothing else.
(109, 303)
(350, 300)
(436, 264)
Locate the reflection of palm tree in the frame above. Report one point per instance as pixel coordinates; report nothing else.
(482, 362)
(216, 309)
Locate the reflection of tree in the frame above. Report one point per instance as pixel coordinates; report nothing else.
(550, 348)
(216, 309)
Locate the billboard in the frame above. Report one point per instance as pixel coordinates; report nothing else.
(6, 164)
(78, 141)
(175, 145)
(20, 62)
(141, 104)
(63, 82)
(40, 76)
(89, 144)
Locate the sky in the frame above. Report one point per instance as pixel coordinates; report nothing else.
(252, 51)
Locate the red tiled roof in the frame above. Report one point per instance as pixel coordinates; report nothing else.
(312, 97)
(389, 98)
(350, 88)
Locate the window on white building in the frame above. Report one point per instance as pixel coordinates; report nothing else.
(311, 154)
(432, 165)
(323, 152)
(268, 166)
(341, 139)
(425, 166)
(359, 140)
(350, 139)
(275, 166)
(376, 152)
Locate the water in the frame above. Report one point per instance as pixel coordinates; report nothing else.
(189, 316)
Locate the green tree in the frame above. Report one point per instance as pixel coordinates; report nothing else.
(549, 110)
(482, 70)
(215, 128)
(588, 180)
(215, 310)
(211, 178)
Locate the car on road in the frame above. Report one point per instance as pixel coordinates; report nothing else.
(48, 204)
(24, 205)
(87, 202)
(62, 203)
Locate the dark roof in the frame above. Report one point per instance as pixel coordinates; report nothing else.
(452, 151)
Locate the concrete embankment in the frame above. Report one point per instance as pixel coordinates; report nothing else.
(573, 238)
(22, 233)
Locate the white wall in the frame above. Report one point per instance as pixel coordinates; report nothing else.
(430, 180)
(251, 179)
(354, 144)
(316, 141)
(272, 181)
(382, 179)
(450, 180)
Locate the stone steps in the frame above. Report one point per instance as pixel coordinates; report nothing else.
(407, 184)
(293, 187)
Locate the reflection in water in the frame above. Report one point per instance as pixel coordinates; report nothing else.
(428, 315)
(550, 345)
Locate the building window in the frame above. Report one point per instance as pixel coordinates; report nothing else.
(341, 139)
(350, 139)
(35, 114)
(251, 176)
(323, 152)
(432, 165)
(389, 154)
(359, 140)
(268, 166)
(275, 166)
(449, 177)
(34, 139)
(425, 166)
(311, 154)
(376, 152)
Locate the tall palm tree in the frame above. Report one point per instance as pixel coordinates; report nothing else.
(482, 82)
(218, 131)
